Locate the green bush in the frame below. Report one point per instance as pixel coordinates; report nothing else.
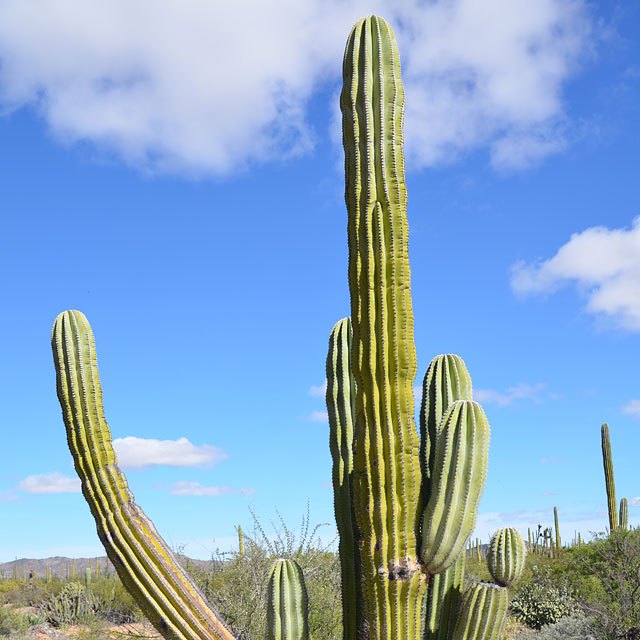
(607, 576)
(543, 600)
(12, 623)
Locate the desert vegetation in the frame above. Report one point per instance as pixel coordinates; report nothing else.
(577, 592)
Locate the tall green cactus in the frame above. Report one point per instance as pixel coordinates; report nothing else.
(608, 478)
(558, 539)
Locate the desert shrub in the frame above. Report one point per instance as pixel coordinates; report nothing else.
(236, 584)
(570, 628)
(607, 576)
(12, 622)
(543, 600)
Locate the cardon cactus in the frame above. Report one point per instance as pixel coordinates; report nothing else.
(607, 462)
(405, 510)
(287, 602)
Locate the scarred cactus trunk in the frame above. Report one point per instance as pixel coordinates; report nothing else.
(386, 449)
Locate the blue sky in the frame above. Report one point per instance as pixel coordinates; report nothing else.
(178, 178)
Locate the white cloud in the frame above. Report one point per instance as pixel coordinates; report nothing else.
(635, 502)
(184, 488)
(522, 391)
(136, 453)
(604, 264)
(318, 392)
(318, 416)
(205, 88)
(632, 408)
(53, 482)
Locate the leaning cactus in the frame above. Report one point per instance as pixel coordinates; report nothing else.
(287, 602)
(144, 562)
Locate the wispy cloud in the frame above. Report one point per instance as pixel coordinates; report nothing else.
(136, 453)
(318, 416)
(53, 482)
(603, 263)
(133, 81)
(632, 408)
(635, 502)
(8, 495)
(553, 460)
(522, 391)
(318, 392)
(184, 488)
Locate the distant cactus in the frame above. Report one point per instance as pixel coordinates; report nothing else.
(558, 540)
(624, 514)
(608, 478)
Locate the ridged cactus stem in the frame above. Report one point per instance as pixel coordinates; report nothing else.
(558, 539)
(146, 565)
(287, 602)
(624, 514)
(240, 541)
(340, 399)
(386, 475)
(607, 462)
(482, 612)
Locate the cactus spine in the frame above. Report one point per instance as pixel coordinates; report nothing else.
(287, 603)
(608, 477)
(143, 560)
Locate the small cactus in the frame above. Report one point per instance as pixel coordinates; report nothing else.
(287, 602)
(506, 556)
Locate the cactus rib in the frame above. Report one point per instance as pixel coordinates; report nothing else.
(146, 565)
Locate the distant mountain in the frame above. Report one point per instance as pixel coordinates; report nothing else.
(62, 567)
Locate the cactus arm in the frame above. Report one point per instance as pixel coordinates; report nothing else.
(340, 399)
(287, 602)
(607, 462)
(482, 612)
(446, 381)
(460, 469)
(444, 595)
(386, 450)
(146, 565)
